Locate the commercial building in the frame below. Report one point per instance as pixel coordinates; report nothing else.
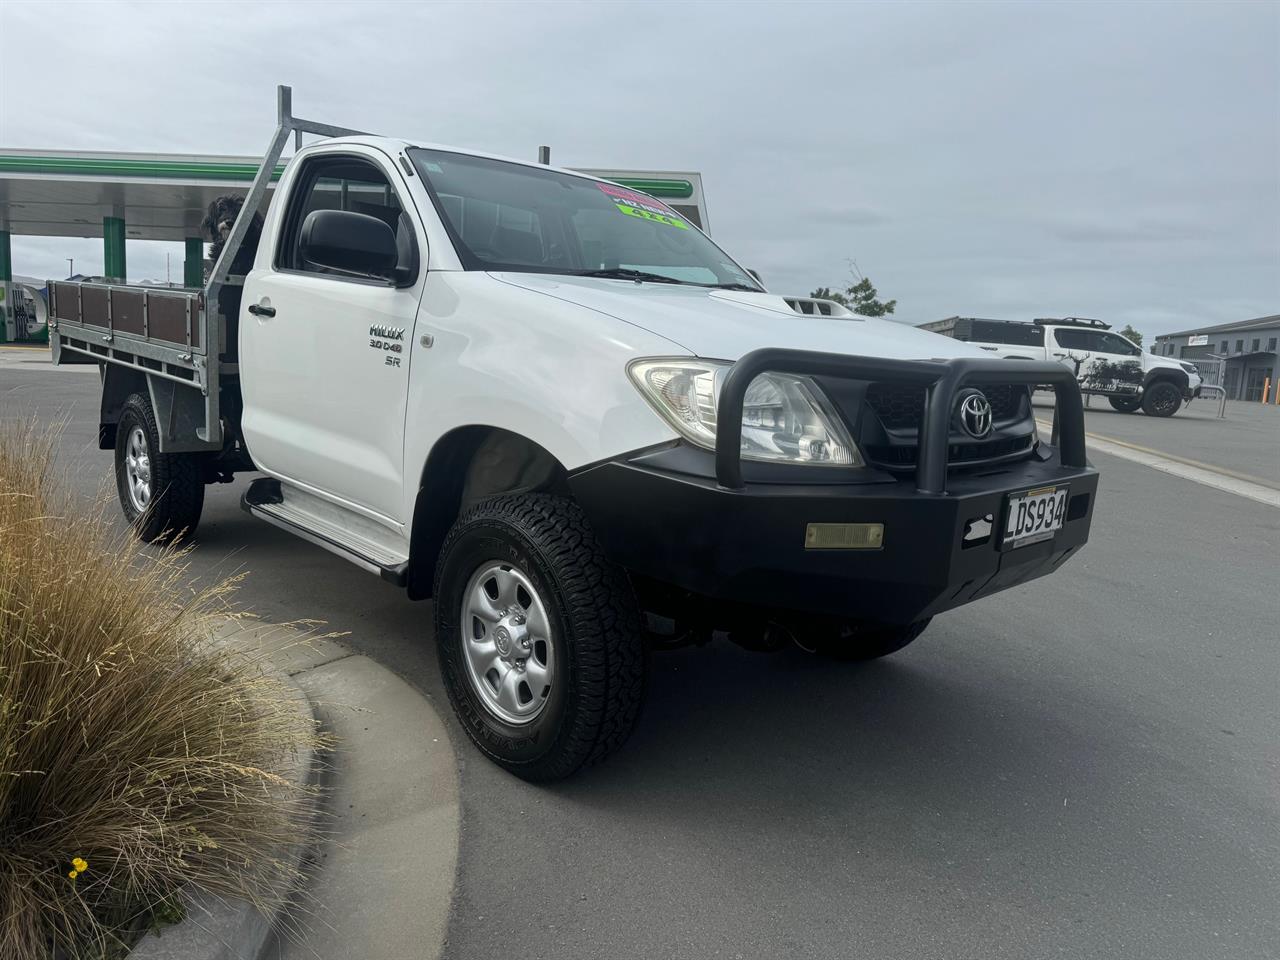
(1249, 351)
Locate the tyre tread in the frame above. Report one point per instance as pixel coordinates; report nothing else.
(177, 480)
(605, 622)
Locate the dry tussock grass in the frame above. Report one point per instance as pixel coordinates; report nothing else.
(126, 738)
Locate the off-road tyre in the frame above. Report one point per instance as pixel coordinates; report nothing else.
(1125, 404)
(1161, 399)
(856, 642)
(177, 479)
(597, 690)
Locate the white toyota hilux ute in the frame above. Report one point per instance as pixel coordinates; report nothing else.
(1104, 362)
(560, 411)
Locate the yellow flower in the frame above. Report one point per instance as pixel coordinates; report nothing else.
(73, 874)
(80, 865)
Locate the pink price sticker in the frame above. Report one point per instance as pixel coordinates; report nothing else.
(642, 206)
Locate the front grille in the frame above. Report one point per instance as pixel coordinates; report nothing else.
(900, 406)
(904, 455)
(1005, 399)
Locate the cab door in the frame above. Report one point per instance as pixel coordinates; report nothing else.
(1115, 364)
(324, 355)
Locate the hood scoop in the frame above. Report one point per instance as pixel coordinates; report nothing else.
(820, 308)
(806, 306)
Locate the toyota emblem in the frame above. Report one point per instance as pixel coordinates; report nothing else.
(975, 415)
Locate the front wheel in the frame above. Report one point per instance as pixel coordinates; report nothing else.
(1125, 404)
(162, 494)
(1162, 399)
(861, 641)
(539, 636)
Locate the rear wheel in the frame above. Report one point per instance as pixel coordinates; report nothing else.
(1125, 404)
(162, 494)
(1161, 399)
(859, 641)
(539, 636)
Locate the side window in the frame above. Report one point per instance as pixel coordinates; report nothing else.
(1072, 339)
(1110, 343)
(344, 183)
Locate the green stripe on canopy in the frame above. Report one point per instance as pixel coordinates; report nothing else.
(106, 167)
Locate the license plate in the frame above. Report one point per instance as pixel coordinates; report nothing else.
(1034, 516)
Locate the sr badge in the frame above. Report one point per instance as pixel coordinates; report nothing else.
(387, 339)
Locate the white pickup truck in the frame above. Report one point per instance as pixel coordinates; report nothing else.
(1105, 363)
(563, 413)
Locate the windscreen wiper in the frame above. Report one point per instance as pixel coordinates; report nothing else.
(738, 286)
(623, 273)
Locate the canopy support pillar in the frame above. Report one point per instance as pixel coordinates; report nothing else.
(113, 265)
(193, 265)
(7, 331)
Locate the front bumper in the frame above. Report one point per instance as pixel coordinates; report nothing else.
(714, 526)
(749, 546)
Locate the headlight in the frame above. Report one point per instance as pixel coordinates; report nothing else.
(784, 418)
(1189, 367)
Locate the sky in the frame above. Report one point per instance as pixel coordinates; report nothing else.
(1006, 160)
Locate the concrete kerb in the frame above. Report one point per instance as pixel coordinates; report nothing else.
(390, 803)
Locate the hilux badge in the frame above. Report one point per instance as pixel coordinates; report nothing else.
(975, 415)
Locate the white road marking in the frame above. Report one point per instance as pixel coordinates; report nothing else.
(1197, 474)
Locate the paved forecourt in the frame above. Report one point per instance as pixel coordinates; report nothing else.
(1245, 444)
(1084, 766)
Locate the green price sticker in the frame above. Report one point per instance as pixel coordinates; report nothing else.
(643, 214)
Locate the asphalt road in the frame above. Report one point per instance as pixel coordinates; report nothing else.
(1246, 443)
(1088, 766)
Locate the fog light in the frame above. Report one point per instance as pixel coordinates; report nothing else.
(844, 536)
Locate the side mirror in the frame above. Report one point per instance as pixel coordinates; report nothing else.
(755, 276)
(349, 242)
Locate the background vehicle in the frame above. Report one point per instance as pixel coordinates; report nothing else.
(1105, 363)
(555, 406)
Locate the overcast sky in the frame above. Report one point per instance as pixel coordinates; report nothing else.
(1007, 160)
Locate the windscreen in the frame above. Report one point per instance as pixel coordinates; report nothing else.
(506, 216)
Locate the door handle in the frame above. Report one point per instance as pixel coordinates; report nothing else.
(260, 311)
(1060, 356)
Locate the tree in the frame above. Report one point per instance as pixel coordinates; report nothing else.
(860, 296)
(1131, 334)
(826, 293)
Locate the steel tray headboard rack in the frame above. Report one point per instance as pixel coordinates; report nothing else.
(943, 379)
(286, 124)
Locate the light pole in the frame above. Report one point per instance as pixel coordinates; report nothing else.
(71, 267)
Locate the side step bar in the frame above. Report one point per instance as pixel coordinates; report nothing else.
(265, 499)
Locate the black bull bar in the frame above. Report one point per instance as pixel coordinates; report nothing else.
(942, 379)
